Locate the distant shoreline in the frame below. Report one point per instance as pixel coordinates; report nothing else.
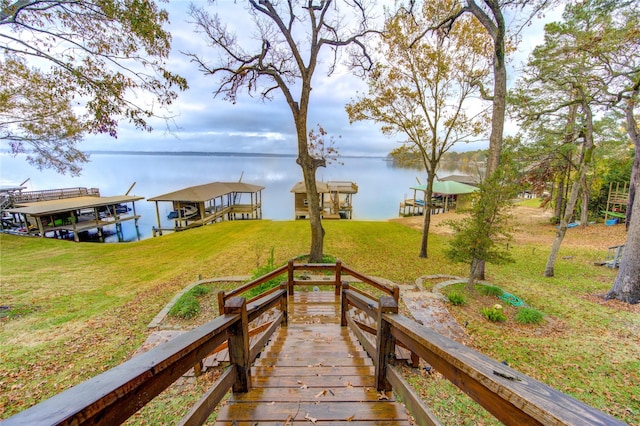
(204, 154)
(214, 154)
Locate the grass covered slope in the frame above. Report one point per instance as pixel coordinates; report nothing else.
(85, 307)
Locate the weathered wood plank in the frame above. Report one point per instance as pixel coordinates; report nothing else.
(340, 352)
(366, 344)
(201, 411)
(248, 286)
(311, 361)
(312, 382)
(414, 403)
(386, 347)
(239, 343)
(316, 395)
(319, 423)
(113, 396)
(259, 344)
(348, 271)
(512, 397)
(315, 371)
(262, 305)
(335, 411)
(363, 303)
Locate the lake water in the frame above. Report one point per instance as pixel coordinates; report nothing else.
(381, 186)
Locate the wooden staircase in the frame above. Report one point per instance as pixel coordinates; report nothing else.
(313, 371)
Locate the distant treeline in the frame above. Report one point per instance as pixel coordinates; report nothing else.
(408, 156)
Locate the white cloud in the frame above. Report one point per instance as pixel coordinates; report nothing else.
(205, 123)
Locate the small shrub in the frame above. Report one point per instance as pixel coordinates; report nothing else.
(494, 313)
(263, 270)
(186, 307)
(199, 290)
(456, 298)
(491, 290)
(529, 316)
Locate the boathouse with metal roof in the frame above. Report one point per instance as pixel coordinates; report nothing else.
(210, 203)
(70, 214)
(336, 199)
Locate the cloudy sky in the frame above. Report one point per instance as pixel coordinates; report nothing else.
(205, 123)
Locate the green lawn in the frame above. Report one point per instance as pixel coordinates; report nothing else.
(85, 307)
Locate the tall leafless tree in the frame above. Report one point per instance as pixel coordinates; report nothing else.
(289, 39)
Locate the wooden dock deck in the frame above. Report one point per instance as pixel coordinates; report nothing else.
(313, 371)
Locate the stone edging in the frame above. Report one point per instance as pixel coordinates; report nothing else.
(452, 280)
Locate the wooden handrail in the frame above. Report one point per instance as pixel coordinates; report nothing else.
(395, 291)
(224, 296)
(113, 396)
(511, 396)
(290, 267)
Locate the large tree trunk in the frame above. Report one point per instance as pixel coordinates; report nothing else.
(585, 161)
(562, 229)
(317, 231)
(309, 165)
(427, 213)
(626, 287)
(474, 272)
(634, 135)
(499, 103)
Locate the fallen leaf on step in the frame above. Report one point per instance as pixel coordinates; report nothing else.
(350, 418)
(271, 403)
(289, 420)
(304, 387)
(382, 397)
(311, 419)
(321, 393)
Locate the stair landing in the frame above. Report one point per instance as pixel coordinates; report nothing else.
(313, 371)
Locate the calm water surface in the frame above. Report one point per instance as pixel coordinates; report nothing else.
(381, 185)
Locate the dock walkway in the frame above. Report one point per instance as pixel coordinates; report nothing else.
(313, 371)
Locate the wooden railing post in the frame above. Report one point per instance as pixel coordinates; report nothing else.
(290, 279)
(338, 276)
(344, 304)
(221, 302)
(284, 305)
(239, 355)
(386, 343)
(396, 293)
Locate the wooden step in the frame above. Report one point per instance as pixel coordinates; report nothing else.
(320, 352)
(313, 371)
(312, 361)
(306, 422)
(335, 411)
(353, 394)
(312, 381)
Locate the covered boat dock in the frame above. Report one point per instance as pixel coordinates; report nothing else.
(446, 195)
(336, 199)
(65, 216)
(209, 203)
